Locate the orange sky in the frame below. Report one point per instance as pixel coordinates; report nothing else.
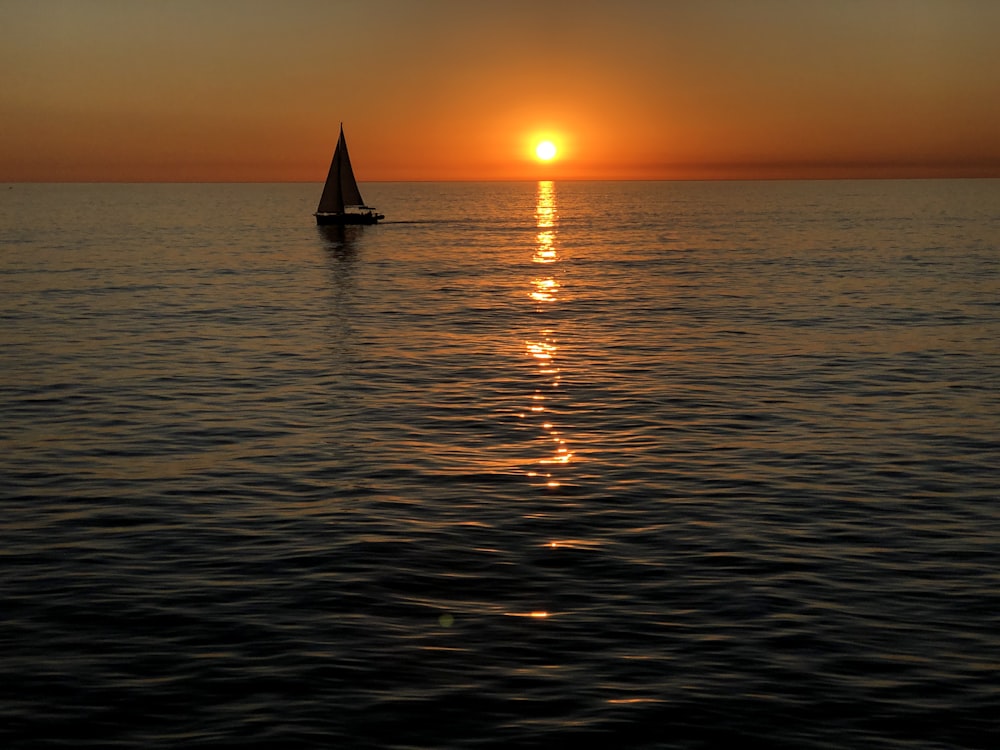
(106, 90)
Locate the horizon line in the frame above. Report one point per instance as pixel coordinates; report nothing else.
(857, 178)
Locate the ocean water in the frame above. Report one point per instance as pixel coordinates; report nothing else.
(658, 465)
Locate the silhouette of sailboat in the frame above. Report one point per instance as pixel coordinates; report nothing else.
(341, 193)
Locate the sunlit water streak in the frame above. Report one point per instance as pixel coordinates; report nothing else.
(635, 464)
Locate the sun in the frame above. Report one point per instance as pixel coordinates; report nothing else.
(546, 150)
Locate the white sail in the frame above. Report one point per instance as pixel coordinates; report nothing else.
(341, 188)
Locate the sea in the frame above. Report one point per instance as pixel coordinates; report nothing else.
(683, 465)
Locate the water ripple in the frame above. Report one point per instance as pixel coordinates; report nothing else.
(721, 474)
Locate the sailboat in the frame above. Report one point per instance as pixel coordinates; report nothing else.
(341, 192)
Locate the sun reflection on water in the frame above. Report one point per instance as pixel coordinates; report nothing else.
(544, 348)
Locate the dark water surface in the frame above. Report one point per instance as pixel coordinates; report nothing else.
(678, 465)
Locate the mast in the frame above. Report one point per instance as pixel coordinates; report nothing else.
(341, 188)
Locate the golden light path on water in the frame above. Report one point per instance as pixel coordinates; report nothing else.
(544, 349)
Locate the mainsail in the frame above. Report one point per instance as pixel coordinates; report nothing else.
(341, 188)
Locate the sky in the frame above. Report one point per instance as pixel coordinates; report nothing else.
(255, 90)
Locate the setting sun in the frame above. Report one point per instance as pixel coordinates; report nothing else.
(546, 150)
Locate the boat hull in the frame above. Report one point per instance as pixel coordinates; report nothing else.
(348, 218)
